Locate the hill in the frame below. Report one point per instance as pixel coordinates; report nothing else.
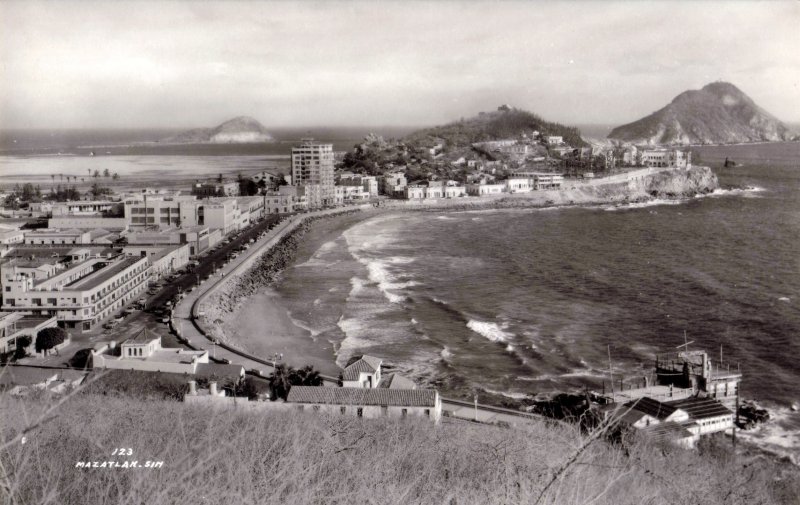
(719, 113)
(501, 124)
(232, 456)
(238, 130)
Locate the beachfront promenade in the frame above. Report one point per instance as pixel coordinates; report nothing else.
(189, 326)
(186, 323)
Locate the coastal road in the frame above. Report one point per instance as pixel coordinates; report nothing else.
(188, 326)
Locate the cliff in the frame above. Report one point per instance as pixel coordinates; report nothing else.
(719, 113)
(238, 130)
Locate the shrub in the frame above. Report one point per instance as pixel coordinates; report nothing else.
(48, 338)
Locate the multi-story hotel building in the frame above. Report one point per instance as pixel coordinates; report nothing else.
(83, 294)
(157, 212)
(164, 212)
(312, 168)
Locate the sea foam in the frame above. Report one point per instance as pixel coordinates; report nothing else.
(491, 331)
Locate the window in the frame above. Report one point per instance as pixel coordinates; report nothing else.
(360, 412)
(8, 288)
(342, 409)
(404, 412)
(427, 412)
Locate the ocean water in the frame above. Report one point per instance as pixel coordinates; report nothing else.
(517, 303)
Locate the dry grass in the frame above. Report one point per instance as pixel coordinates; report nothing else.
(292, 457)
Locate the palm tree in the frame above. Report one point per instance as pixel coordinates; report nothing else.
(279, 383)
(53, 177)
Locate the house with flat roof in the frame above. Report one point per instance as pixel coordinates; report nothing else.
(16, 325)
(82, 294)
(144, 352)
(52, 236)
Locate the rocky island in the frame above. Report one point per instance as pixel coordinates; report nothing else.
(239, 130)
(719, 113)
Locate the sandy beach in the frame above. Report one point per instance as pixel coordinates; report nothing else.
(263, 326)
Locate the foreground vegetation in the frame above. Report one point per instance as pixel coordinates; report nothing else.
(213, 457)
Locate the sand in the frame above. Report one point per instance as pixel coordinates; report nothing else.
(263, 327)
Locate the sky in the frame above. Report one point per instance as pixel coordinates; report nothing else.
(171, 64)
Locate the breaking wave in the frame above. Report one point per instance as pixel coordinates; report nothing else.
(491, 331)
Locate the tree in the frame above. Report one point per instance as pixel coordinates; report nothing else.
(96, 174)
(247, 187)
(106, 173)
(53, 177)
(116, 176)
(48, 338)
(305, 376)
(21, 343)
(279, 384)
(251, 387)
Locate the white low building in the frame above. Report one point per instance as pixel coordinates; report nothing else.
(144, 352)
(366, 392)
(485, 189)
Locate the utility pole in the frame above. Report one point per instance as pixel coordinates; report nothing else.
(476, 407)
(610, 374)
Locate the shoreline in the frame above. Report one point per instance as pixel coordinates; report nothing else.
(301, 347)
(252, 297)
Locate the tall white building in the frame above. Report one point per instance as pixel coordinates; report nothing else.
(312, 168)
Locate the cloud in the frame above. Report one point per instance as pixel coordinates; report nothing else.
(138, 64)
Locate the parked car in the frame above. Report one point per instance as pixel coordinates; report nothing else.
(226, 361)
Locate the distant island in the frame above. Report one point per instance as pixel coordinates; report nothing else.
(239, 130)
(719, 113)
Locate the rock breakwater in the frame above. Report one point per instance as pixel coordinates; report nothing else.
(227, 299)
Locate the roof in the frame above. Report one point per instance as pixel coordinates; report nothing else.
(142, 337)
(219, 370)
(363, 396)
(653, 408)
(396, 381)
(366, 364)
(102, 275)
(669, 430)
(702, 408)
